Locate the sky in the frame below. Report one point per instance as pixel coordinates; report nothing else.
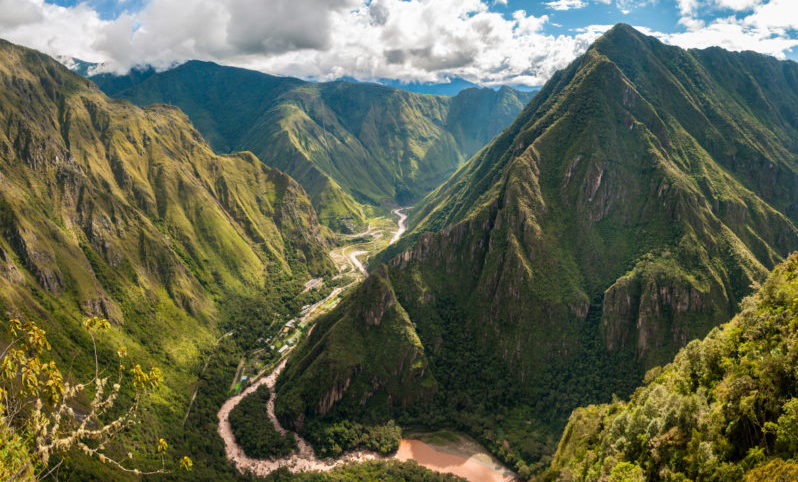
(488, 42)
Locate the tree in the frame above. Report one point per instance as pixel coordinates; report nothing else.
(38, 409)
(627, 472)
(787, 427)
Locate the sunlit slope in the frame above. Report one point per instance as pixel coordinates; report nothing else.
(111, 210)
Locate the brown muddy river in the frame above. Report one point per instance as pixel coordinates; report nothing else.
(464, 458)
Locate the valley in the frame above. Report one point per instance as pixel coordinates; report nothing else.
(457, 455)
(312, 279)
(350, 145)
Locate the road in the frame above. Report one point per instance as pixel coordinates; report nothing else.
(352, 255)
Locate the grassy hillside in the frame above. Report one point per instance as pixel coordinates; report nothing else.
(724, 409)
(352, 146)
(126, 213)
(626, 211)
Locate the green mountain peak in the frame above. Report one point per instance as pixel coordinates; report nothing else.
(626, 211)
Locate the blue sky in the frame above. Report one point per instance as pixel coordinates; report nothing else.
(107, 9)
(484, 41)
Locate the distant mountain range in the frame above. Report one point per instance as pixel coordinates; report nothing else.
(628, 210)
(352, 146)
(451, 88)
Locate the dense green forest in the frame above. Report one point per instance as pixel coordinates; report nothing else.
(254, 431)
(725, 408)
(332, 440)
(388, 471)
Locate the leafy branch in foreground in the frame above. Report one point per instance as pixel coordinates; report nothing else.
(41, 414)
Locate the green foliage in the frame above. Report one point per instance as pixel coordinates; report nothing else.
(387, 471)
(253, 430)
(786, 427)
(723, 408)
(776, 470)
(626, 472)
(16, 460)
(254, 318)
(331, 440)
(348, 144)
(38, 408)
(198, 437)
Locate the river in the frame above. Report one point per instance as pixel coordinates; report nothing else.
(401, 213)
(454, 453)
(464, 458)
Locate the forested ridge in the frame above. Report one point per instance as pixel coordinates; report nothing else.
(628, 210)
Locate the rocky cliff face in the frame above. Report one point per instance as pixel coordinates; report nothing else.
(601, 231)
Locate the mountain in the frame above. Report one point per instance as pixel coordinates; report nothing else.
(626, 211)
(352, 146)
(723, 409)
(123, 212)
(451, 88)
(112, 84)
(454, 86)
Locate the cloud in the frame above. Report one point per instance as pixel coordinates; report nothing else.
(687, 7)
(626, 6)
(778, 14)
(759, 25)
(51, 28)
(424, 40)
(738, 4)
(410, 40)
(566, 4)
(766, 30)
(432, 40)
(13, 13)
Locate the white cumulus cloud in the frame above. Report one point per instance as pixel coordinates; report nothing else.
(410, 40)
(566, 4)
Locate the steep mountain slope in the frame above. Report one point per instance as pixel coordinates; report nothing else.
(723, 408)
(111, 210)
(625, 212)
(350, 145)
